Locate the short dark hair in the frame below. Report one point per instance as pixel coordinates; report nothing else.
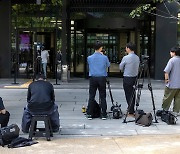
(131, 46)
(176, 50)
(40, 75)
(98, 45)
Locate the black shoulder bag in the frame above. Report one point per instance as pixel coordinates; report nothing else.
(7, 134)
(168, 117)
(142, 118)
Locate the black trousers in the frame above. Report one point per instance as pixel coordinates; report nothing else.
(100, 84)
(128, 85)
(4, 119)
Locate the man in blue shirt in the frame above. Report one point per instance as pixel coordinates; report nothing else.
(130, 66)
(98, 64)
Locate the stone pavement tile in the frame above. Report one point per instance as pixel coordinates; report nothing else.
(141, 144)
(149, 144)
(98, 132)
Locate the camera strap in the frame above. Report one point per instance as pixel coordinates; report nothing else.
(140, 116)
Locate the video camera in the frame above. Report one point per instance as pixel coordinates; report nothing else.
(143, 61)
(144, 58)
(103, 51)
(167, 117)
(117, 112)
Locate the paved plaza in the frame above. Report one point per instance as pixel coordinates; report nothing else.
(79, 135)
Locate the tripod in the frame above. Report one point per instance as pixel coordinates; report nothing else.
(143, 70)
(37, 66)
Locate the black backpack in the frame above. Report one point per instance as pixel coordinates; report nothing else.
(7, 134)
(96, 111)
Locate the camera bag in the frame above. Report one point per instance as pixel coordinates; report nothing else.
(142, 118)
(168, 117)
(7, 134)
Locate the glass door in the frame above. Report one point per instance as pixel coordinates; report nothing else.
(78, 55)
(28, 49)
(25, 53)
(110, 42)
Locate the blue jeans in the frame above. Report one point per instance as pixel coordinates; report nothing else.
(44, 66)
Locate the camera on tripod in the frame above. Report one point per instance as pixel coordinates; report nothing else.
(143, 72)
(144, 58)
(144, 62)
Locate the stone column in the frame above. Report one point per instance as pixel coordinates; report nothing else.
(5, 38)
(166, 38)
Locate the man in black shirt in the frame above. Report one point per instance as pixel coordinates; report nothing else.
(40, 99)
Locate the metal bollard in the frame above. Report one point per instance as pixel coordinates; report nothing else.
(65, 73)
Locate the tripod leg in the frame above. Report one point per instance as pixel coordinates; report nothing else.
(110, 93)
(138, 97)
(154, 108)
(152, 97)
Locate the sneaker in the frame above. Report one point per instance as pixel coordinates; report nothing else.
(104, 117)
(89, 117)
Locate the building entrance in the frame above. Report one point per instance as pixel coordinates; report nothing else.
(114, 44)
(29, 43)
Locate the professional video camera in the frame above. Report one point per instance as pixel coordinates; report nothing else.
(103, 51)
(117, 112)
(116, 109)
(143, 62)
(144, 59)
(167, 117)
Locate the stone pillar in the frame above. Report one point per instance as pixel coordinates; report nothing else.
(65, 69)
(166, 38)
(5, 38)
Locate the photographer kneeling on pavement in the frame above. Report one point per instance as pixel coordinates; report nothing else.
(40, 99)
